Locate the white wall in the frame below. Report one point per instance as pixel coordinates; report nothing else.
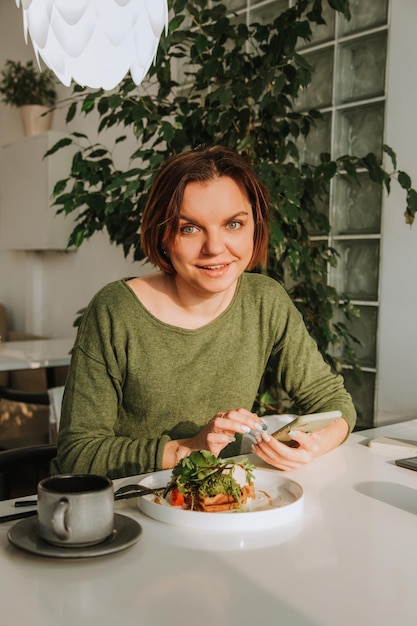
(43, 290)
(397, 390)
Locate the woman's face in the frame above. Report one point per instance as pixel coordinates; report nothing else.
(214, 241)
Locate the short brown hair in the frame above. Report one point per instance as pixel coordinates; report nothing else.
(161, 214)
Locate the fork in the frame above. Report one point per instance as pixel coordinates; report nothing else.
(135, 490)
(123, 493)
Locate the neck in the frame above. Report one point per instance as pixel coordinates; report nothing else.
(199, 308)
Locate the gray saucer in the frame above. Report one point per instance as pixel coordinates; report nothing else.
(24, 535)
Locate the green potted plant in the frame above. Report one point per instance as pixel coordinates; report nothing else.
(31, 91)
(239, 87)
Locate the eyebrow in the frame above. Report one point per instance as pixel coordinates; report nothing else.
(228, 219)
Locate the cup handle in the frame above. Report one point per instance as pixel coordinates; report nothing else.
(59, 519)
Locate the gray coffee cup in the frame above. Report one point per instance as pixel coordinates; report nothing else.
(75, 510)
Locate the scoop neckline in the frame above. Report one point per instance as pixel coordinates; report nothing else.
(156, 320)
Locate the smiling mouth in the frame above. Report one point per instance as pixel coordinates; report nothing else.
(213, 267)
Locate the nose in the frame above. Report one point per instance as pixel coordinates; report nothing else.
(214, 243)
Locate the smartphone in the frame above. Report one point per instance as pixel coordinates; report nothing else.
(306, 423)
(410, 463)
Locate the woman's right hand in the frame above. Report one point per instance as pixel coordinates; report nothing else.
(221, 430)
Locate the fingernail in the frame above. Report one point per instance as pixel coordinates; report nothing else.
(265, 436)
(253, 447)
(257, 426)
(245, 429)
(292, 433)
(232, 439)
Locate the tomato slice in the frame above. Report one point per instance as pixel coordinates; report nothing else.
(175, 497)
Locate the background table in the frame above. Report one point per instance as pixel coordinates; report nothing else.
(34, 354)
(351, 563)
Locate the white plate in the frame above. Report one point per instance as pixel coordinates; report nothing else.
(278, 501)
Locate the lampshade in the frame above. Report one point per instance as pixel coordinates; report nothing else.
(95, 42)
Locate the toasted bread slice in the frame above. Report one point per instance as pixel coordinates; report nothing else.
(220, 502)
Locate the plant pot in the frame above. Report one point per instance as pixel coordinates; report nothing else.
(36, 119)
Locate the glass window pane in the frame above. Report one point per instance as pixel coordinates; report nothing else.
(356, 205)
(234, 5)
(322, 32)
(319, 140)
(356, 273)
(363, 328)
(363, 398)
(319, 92)
(268, 13)
(235, 19)
(364, 15)
(325, 32)
(361, 69)
(322, 208)
(360, 130)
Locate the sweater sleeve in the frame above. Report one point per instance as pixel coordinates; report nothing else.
(305, 375)
(89, 439)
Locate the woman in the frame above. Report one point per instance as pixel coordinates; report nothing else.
(171, 362)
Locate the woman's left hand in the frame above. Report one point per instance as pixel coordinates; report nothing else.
(306, 448)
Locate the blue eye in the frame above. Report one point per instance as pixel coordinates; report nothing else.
(187, 230)
(234, 225)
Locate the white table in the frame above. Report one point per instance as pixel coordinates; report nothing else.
(353, 562)
(34, 354)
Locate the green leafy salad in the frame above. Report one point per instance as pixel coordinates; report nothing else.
(203, 474)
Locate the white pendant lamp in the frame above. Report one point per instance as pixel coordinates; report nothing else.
(95, 42)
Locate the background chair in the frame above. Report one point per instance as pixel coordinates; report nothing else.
(24, 405)
(24, 418)
(51, 400)
(55, 395)
(22, 468)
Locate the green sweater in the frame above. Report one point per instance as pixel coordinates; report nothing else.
(136, 382)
